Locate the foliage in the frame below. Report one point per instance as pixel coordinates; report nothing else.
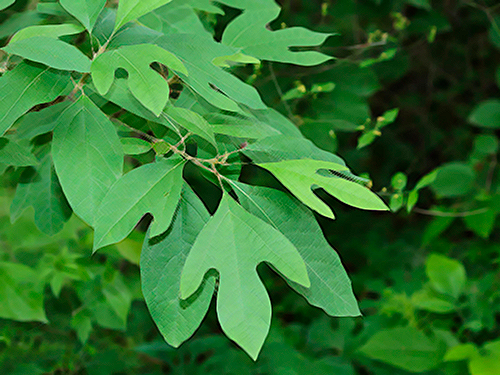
(144, 130)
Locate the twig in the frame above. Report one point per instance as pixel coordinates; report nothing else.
(280, 93)
(450, 214)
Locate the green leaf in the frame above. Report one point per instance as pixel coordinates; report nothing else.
(162, 260)
(129, 10)
(250, 33)
(453, 180)
(6, 3)
(21, 293)
(135, 146)
(192, 122)
(219, 87)
(240, 127)
(330, 287)
(148, 86)
(486, 114)
(299, 176)
(52, 31)
(278, 148)
(405, 348)
(398, 181)
(462, 352)
(429, 300)
(153, 188)
(234, 242)
(482, 224)
(52, 52)
(85, 11)
(88, 156)
(41, 190)
(26, 86)
(16, 153)
(447, 275)
(33, 124)
(82, 324)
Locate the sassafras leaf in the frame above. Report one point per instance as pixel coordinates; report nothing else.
(234, 242)
(152, 188)
(148, 86)
(88, 156)
(299, 176)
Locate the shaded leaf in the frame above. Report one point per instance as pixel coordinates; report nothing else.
(16, 153)
(41, 190)
(330, 287)
(21, 295)
(162, 260)
(447, 275)
(486, 114)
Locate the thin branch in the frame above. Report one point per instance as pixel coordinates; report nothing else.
(280, 92)
(449, 214)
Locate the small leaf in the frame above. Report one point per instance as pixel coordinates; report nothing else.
(162, 260)
(234, 242)
(21, 295)
(129, 10)
(88, 156)
(462, 352)
(135, 146)
(52, 52)
(398, 181)
(486, 114)
(447, 275)
(192, 122)
(85, 11)
(26, 86)
(152, 188)
(453, 180)
(405, 348)
(148, 86)
(299, 176)
(52, 31)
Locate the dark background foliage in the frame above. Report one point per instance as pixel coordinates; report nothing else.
(436, 61)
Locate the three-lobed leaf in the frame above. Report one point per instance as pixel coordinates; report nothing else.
(234, 242)
(299, 176)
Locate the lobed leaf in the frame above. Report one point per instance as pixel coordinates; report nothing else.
(146, 85)
(162, 260)
(234, 242)
(299, 176)
(152, 188)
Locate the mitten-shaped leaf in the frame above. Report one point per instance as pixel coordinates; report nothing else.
(162, 259)
(85, 11)
(26, 86)
(251, 34)
(148, 86)
(50, 51)
(88, 156)
(299, 176)
(234, 242)
(153, 188)
(129, 10)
